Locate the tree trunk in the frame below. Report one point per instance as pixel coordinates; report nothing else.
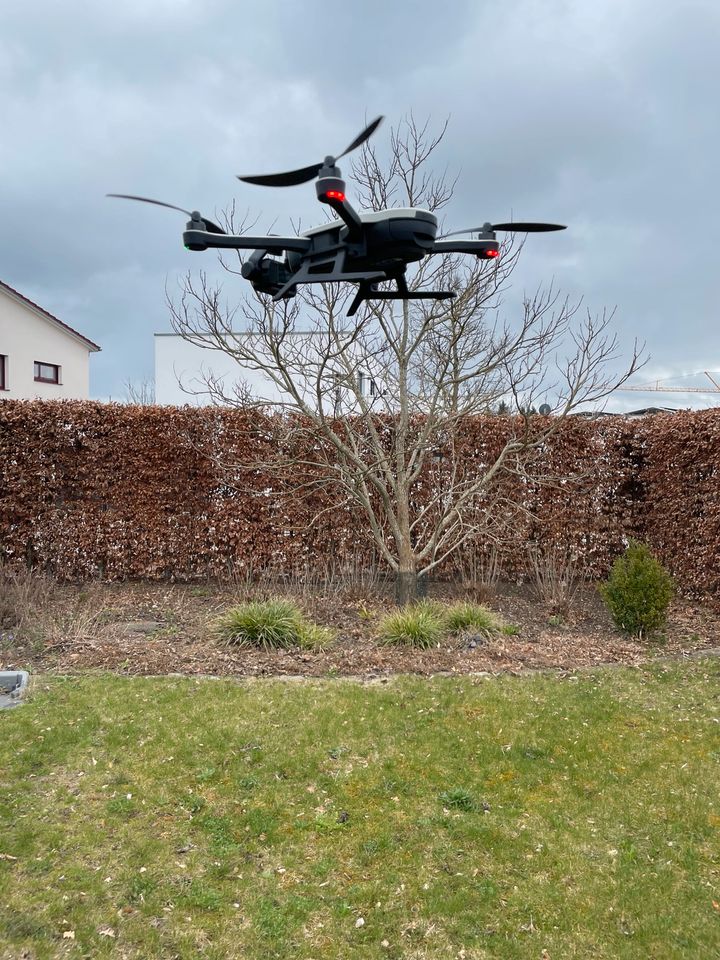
(408, 587)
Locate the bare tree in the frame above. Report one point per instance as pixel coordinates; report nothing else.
(140, 392)
(385, 393)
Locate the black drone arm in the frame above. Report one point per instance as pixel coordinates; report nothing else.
(481, 248)
(347, 213)
(202, 239)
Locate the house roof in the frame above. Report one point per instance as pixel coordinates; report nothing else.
(6, 288)
(646, 411)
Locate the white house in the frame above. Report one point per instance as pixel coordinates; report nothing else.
(40, 356)
(183, 370)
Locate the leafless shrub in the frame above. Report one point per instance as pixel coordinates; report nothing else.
(243, 581)
(71, 626)
(554, 575)
(350, 579)
(23, 592)
(361, 580)
(36, 611)
(479, 572)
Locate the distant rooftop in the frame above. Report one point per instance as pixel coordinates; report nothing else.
(644, 412)
(5, 287)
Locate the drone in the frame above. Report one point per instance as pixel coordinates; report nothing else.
(364, 248)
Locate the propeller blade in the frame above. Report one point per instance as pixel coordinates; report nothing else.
(528, 227)
(518, 227)
(292, 178)
(158, 203)
(289, 179)
(361, 138)
(211, 227)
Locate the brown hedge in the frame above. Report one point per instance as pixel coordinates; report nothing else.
(90, 489)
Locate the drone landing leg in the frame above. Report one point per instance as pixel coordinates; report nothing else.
(404, 294)
(419, 295)
(366, 292)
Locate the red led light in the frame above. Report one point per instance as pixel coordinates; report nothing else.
(335, 195)
(493, 253)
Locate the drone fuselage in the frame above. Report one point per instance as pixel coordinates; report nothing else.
(389, 240)
(378, 248)
(367, 249)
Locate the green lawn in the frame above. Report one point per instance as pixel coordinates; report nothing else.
(533, 817)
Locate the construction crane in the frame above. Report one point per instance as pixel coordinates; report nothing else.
(655, 385)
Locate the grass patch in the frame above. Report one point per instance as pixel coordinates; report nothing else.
(270, 625)
(458, 799)
(471, 616)
(419, 625)
(426, 624)
(505, 817)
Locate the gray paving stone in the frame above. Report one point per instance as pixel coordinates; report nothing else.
(13, 686)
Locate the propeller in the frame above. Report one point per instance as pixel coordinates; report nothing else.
(194, 215)
(518, 227)
(293, 177)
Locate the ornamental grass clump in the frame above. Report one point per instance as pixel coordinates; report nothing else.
(471, 616)
(638, 591)
(420, 625)
(427, 623)
(274, 624)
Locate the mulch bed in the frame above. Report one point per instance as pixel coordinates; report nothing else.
(149, 629)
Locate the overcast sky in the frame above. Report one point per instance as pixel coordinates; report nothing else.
(603, 115)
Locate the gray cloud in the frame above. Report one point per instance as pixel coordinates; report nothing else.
(601, 115)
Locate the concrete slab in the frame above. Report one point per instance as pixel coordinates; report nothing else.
(13, 686)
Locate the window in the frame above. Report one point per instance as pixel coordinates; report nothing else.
(340, 379)
(47, 372)
(368, 386)
(3, 372)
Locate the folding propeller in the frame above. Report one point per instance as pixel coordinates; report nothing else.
(293, 177)
(518, 227)
(193, 214)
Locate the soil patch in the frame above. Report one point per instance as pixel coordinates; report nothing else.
(160, 629)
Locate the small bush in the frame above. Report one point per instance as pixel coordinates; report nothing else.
(458, 799)
(466, 616)
(638, 591)
(269, 625)
(420, 625)
(314, 637)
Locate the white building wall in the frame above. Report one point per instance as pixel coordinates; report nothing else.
(182, 370)
(27, 337)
